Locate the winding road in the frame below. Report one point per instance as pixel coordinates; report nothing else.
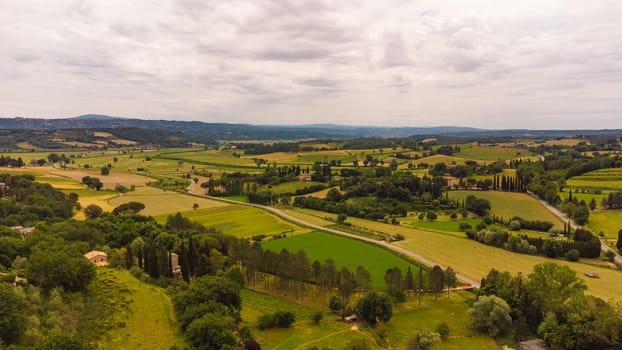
(383, 244)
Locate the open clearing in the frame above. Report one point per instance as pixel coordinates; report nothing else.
(331, 331)
(509, 204)
(345, 252)
(151, 324)
(336, 334)
(241, 221)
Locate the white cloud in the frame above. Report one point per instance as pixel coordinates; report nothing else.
(483, 63)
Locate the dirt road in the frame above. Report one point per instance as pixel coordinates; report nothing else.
(384, 244)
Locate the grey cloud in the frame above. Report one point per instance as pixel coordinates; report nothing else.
(304, 61)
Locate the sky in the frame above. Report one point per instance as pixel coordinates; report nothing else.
(494, 64)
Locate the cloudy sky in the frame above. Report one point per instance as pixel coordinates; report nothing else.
(484, 63)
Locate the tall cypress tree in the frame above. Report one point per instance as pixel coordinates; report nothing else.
(185, 274)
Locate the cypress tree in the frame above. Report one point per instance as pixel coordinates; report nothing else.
(185, 274)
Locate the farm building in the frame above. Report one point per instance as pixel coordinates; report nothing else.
(352, 318)
(96, 257)
(25, 231)
(176, 268)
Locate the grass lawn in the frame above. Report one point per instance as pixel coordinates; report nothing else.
(151, 323)
(607, 221)
(344, 251)
(241, 221)
(509, 204)
(474, 259)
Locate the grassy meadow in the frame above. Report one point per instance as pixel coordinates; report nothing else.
(491, 153)
(609, 222)
(509, 204)
(151, 323)
(333, 333)
(344, 251)
(240, 221)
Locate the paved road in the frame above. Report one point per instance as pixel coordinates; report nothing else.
(603, 246)
(384, 244)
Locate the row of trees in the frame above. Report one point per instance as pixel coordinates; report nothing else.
(583, 243)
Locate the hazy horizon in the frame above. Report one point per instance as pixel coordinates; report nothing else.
(482, 64)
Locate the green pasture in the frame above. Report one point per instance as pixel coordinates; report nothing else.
(240, 221)
(602, 179)
(509, 204)
(212, 157)
(608, 222)
(344, 251)
(151, 323)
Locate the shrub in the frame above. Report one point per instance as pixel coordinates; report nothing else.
(572, 255)
(443, 330)
(422, 340)
(358, 344)
(514, 225)
(316, 317)
(465, 226)
(281, 319)
(335, 304)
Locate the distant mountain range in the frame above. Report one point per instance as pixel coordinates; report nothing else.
(224, 131)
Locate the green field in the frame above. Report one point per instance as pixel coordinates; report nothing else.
(491, 153)
(474, 259)
(290, 187)
(211, 156)
(240, 221)
(344, 251)
(509, 204)
(607, 221)
(159, 202)
(587, 196)
(603, 179)
(444, 224)
(151, 324)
